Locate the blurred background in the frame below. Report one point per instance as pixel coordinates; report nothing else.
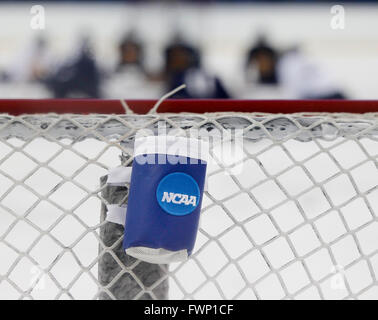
(221, 49)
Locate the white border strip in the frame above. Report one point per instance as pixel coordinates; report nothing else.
(171, 145)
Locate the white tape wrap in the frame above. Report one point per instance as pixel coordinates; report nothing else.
(119, 176)
(116, 214)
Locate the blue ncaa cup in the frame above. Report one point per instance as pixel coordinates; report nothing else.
(164, 205)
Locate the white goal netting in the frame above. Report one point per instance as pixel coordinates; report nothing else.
(292, 214)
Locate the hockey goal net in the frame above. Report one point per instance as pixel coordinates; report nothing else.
(291, 209)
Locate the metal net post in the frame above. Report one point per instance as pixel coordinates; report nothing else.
(125, 277)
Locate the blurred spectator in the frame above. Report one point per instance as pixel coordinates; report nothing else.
(261, 62)
(129, 77)
(130, 53)
(302, 79)
(79, 77)
(183, 66)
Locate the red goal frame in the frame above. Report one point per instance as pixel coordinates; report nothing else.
(85, 106)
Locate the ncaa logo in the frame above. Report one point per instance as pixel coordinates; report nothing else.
(178, 194)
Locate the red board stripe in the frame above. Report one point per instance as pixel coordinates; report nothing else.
(85, 106)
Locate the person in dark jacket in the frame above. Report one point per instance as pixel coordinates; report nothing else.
(183, 66)
(78, 78)
(262, 61)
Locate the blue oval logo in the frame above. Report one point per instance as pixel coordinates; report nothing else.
(178, 194)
